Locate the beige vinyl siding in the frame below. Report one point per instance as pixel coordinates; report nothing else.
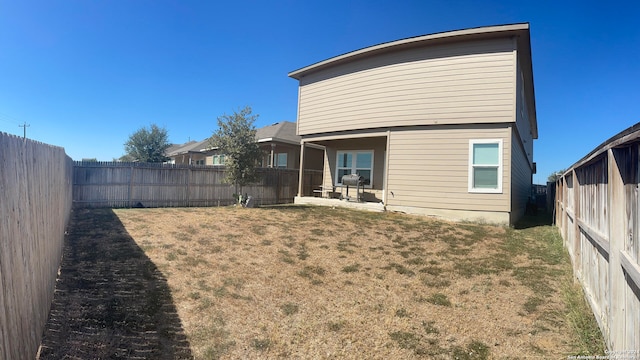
(522, 154)
(328, 175)
(429, 167)
(523, 125)
(520, 179)
(470, 82)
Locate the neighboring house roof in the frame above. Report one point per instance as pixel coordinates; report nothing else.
(284, 131)
(191, 146)
(172, 148)
(519, 31)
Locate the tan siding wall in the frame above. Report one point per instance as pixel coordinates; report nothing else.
(428, 167)
(520, 179)
(329, 163)
(522, 154)
(445, 84)
(523, 125)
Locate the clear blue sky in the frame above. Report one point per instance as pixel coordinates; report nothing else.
(86, 74)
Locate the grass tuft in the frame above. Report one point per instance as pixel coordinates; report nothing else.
(532, 303)
(261, 344)
(351, 268)
(588, 339)
(476, 350)
(336, 325)
(429, 327)
(439, 299)
(289, 308)
(400, 269)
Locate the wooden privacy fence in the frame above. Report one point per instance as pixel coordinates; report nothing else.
(598, 214)
(99, 184)
(35, 185)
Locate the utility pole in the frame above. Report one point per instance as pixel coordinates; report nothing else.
(25, 126)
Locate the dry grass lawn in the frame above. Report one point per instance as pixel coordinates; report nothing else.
(307, 282)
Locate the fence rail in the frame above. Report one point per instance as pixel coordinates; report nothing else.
(35, 185)
(97, 184)
(597, 212)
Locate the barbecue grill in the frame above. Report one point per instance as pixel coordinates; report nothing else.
(352, 180)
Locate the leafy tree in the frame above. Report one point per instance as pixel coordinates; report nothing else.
(147, 145)
(555, 175)
(236, 139)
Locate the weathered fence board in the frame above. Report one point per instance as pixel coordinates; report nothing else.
(35, 185)
(596, 210)
(115, 185)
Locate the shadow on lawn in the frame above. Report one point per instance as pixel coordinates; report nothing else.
(111, 302)
(540, 218)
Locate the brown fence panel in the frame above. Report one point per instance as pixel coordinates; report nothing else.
(98, 184)
(597, 213)
(35, 185)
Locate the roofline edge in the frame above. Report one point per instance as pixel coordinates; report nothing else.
(296, 74)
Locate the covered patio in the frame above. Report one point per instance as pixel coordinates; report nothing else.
(346, 153)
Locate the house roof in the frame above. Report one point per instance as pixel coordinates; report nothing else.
(519, 31)
(284, 131)
(191, 146)
(172, 148)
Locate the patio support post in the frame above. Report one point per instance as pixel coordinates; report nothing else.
(301, 175)
(385, 183)
(273, 146)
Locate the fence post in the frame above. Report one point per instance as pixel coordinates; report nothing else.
(130, 186)
(189, 187)
(617, 235)
(278, 172)
(576, 228)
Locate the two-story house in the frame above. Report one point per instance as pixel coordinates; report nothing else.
(440, 124)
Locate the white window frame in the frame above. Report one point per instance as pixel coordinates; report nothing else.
(277, 160)
(221, 159)
(354, 153)
(473, 142)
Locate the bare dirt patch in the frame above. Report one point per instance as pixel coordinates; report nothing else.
(306, 282)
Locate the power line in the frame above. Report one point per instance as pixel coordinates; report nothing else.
(8, 119)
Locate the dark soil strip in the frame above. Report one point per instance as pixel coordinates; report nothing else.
(111, 302)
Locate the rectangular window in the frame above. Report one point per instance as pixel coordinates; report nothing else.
(281, 160)
(355, 162)
(485, 166)
(200, 162)
(218, 160)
